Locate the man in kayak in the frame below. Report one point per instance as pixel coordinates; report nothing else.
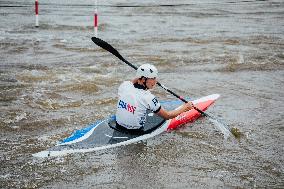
(135, 99)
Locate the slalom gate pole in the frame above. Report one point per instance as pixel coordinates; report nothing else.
(96, 20)
(36, 12)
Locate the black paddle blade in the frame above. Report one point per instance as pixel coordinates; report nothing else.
(106, 46)
(110, 49)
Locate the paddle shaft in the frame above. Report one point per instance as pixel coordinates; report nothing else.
(113, 51)
(181, 98)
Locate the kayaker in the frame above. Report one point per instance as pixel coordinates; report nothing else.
(135, 99)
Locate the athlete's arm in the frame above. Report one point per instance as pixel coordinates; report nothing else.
(173, 113)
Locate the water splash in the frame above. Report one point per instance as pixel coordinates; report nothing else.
(222, 127)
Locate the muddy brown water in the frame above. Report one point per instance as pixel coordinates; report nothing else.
(54, 80)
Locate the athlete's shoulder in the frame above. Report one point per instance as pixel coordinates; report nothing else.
(148, 95)
(125, 84)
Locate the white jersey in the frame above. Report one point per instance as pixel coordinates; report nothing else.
(133, 104)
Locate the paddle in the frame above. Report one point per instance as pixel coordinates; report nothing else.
(113, 51)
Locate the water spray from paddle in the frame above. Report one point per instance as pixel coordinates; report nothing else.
(221, 127)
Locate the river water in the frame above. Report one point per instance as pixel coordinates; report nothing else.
(54, 80)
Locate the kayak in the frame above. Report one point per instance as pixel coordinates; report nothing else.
(105, 134)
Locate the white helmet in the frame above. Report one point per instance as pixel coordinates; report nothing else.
(147, 70)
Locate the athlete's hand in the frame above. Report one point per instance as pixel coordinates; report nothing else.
(188, 106)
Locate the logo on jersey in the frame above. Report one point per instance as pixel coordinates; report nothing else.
(126, 106)
(155, 101)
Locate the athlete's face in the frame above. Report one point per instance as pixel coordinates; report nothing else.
(151, 82)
